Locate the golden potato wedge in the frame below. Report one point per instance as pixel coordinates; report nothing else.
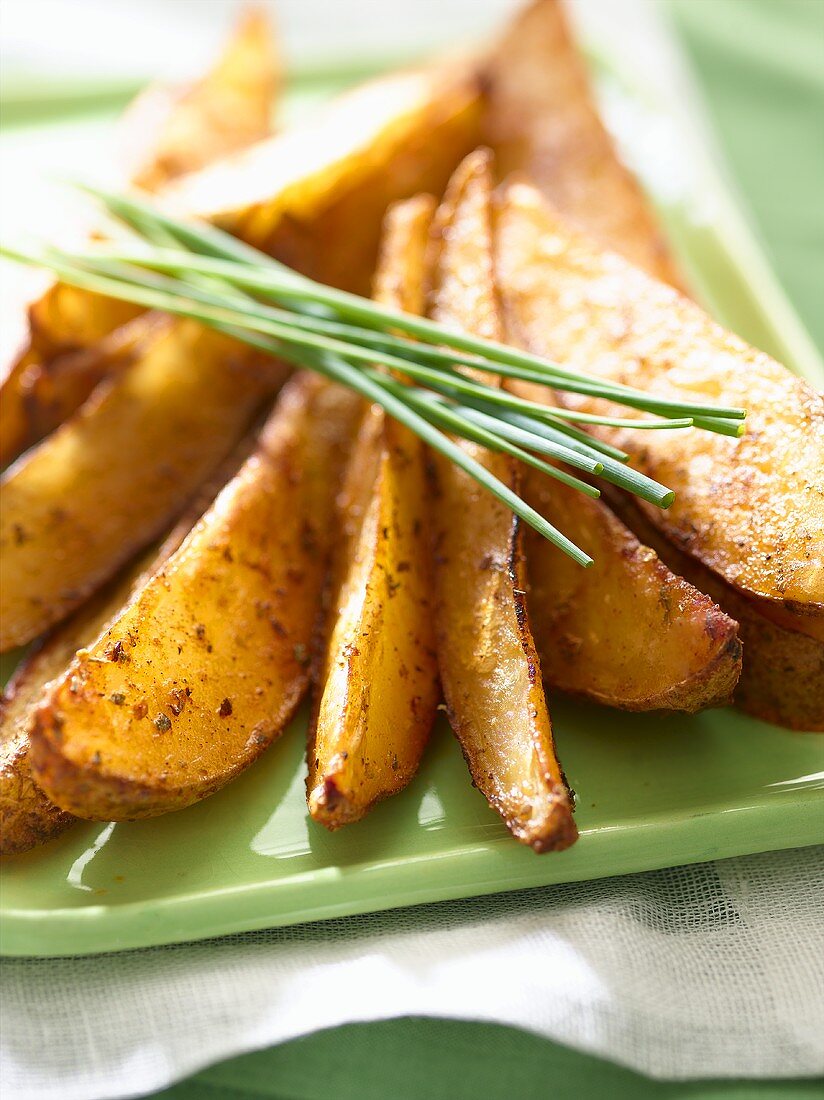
(378, 690)
(490, 671)
(782, 679)
(749, 509)
(27, 817)
(313, 196)
(108, 481)
(171, 130)
(626, 632)
(168, 131)
(206, 665)
(542, 120)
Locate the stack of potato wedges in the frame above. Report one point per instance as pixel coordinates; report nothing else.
(192, 538)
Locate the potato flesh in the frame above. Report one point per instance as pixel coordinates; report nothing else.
(490, 671)
(378, 680)
(80, 504)
(750, 510)
(207, 664)
(542, 120)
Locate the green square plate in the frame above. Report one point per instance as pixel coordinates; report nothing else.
(653, 791)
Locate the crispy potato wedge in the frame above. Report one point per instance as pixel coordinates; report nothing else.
(108, 481)
(750, 509)
(782, 679)
(542, 120)
(627, 632)
(313, 196)
(490, 670)
(207, 664)
(378, 690)
(27, 817)
(170, 130)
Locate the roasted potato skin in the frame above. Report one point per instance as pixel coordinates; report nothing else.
(541, 119)
(490, 670)
(750, 509)
(170, 131)
(109, 480)
(782, 679)
(377, 684)
(206, 665)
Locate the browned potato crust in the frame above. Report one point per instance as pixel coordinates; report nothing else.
(751, 509)
(626, 632)
(206, 665)
(108, 481)
(378, 690)
(542, 120)
(490, 670)
(169, 131)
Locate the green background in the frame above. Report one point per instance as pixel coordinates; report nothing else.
(761, 67)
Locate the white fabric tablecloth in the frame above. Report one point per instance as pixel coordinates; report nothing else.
(727, 957)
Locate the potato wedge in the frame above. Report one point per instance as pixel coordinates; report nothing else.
(490, 670)
(750, 510)
(782, 679)
(207, 664)
(542, 120)
(27, 817)
(378, 690)
(627, 632)
(108, 481)
(313, 196)
(169, 131)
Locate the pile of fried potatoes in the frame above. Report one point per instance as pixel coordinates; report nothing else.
(192, 537)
